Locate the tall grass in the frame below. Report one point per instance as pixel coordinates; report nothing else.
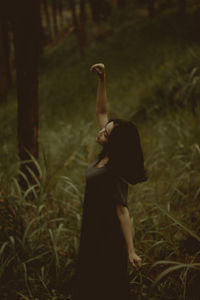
(165, 208)
(40, 238)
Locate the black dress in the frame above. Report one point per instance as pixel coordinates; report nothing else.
(102, 265)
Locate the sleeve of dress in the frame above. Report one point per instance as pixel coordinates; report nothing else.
(119, 191)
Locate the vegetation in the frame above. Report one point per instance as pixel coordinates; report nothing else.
(153, 75)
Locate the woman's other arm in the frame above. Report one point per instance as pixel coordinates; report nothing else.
(101, 100)
(125, 222)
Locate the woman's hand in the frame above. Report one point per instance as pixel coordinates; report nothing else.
(135, 260)
(99, 68)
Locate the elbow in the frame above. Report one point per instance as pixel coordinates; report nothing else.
(121, 210)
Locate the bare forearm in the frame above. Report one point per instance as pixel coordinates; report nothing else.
(101, 101)
(126, 226)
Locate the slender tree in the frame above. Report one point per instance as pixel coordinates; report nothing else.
(79, 22)
(182, 7)
(5, 70)
(26, 27)
(54, 15)
(8, 52)
(100, 9)
(96, 10)
(47, 17)
(42, 27)
(3, 62)
(74, 15)
(151, 8)
(82, 27)
(60, 11)
(121, 3)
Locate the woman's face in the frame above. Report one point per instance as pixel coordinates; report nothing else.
(103, 134)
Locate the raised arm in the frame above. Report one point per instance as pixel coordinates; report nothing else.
(101, 100)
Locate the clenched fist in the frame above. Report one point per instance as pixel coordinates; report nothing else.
(99, 68)
(135, 260)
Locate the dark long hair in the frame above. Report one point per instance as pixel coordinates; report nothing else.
(125, 152)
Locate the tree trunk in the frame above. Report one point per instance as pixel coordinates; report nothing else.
(42, 27)
(100, 10)
(82, 32)
(151, 8)
(8, 51)
(26, 27)
(79, 24)
(60, 10)
(54, 15)
(121, 3)
(182, 7)
(3, 62)
(95, 8)
(47, 17)
(74, 16)
(106, 9)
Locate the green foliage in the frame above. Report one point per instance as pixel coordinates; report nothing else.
(174, 86)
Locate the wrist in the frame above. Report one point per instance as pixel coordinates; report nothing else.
(131, 251)
(102, 76)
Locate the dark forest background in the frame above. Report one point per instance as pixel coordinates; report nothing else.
(151, 50)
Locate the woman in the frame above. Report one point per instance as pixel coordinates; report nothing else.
(106, 244)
